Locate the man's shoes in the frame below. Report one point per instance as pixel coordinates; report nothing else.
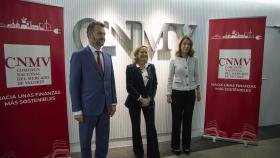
(187, 151)
(176, 151)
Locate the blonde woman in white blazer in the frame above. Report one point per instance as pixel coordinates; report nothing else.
(183, 88)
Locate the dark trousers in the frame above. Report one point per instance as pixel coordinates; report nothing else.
(152, 141)
(182, 111)
(101, 123)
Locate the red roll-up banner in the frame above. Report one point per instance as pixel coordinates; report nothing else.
(33, 110)
(235, 58)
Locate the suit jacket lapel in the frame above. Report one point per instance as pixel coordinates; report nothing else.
(139, 73)
(149, 74)
(93, 60)
(105, 63)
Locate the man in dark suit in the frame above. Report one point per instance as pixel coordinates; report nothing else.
(141, 85)
(93, 93)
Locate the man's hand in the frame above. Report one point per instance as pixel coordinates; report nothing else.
(113, 110)
(79, 118)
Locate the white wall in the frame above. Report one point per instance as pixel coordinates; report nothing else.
(186, 12)
(269, 108)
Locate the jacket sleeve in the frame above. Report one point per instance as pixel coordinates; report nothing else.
(113, 86)
(75, 82)
(196, 74)
(129, 83)
(154, 84)
(170, 77)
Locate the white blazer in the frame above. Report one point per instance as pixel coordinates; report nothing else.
(183, 74)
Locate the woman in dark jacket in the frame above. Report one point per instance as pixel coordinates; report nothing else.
(141, 85)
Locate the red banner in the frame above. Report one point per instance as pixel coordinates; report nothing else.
(33, 110)
(235, 57)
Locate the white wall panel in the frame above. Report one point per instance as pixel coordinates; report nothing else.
(154, 13)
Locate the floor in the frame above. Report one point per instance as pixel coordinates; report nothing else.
(268, 147)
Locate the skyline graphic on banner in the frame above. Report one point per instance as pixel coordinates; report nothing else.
(59, 149)
(10, 154)
(237, 35)
(248, 131)
(27, 25)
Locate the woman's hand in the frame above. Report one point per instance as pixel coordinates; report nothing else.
(145, 101)
(198, 95)
(168, 99)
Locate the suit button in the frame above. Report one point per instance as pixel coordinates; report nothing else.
(187, 84)
(187, 76)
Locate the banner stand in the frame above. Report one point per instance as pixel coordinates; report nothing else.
(33, 104)
(245, 142)
(234, 74)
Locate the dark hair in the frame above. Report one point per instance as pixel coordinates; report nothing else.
(136, 51)
(92, 25)
(179, 51)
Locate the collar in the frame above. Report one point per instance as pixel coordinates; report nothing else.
(146, 65)
(181, 57)
(94, 49)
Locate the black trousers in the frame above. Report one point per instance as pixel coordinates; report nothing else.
(182, 111)
(152, 141)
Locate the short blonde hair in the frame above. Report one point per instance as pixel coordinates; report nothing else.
(136, 51)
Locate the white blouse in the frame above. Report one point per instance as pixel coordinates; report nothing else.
(144, 73)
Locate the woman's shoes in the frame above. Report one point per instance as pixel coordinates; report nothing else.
(187, 151)
(139, 156)
(176, 151)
